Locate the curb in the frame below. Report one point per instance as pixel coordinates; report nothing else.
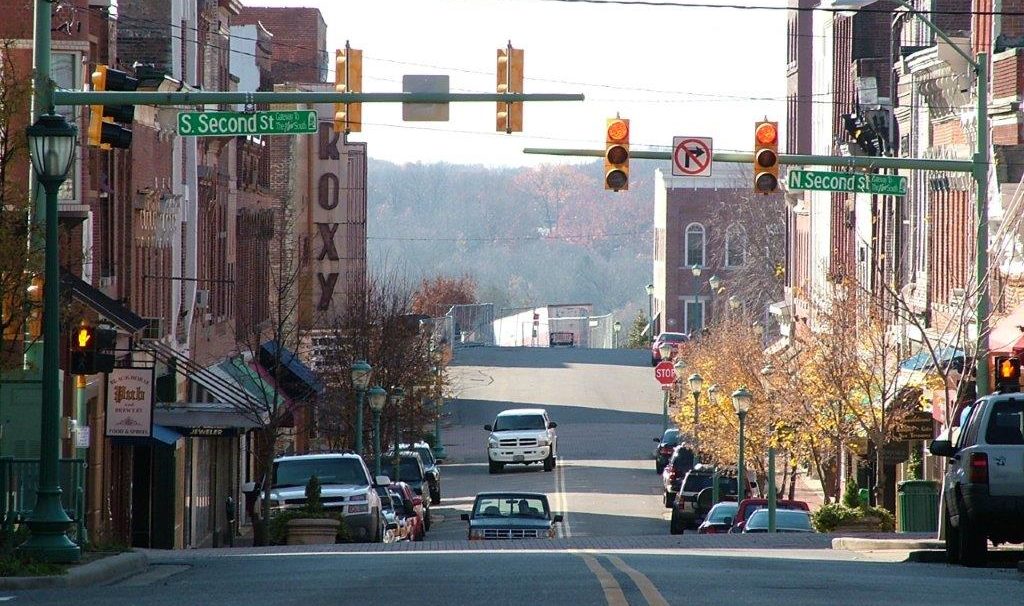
(866, 544)
(104, 570)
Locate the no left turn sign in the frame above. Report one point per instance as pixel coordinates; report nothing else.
(691, 156)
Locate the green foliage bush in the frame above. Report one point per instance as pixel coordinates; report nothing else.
(851, 496)
(13, 566)
(278, 527)
(831, 517)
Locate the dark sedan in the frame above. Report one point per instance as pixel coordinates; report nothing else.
(666, 444)
(511, 515)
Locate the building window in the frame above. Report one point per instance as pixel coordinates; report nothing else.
(694, 317)
(695, 245)
(735, 246)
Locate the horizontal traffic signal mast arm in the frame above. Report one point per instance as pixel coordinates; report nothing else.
(963, 166)
(184, 98)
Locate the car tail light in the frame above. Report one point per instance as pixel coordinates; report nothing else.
(979, 468)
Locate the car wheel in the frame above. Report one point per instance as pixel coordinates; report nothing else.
(952, 541)
(973, 545)
(549, 463)
(435, 496)
(658, 467)
(670, 499)
(493, 467)
(676, 525)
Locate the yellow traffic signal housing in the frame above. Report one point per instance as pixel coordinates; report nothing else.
(509, 117)
(105, 130)
(616, 154)
(83, 351)
(766, 157)
(1007, 370)
(348, 78)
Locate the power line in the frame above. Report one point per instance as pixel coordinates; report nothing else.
(800, 9)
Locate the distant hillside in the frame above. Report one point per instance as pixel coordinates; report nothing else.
(530, 236)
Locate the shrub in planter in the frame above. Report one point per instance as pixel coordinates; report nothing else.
(278, 527)
(838, 517)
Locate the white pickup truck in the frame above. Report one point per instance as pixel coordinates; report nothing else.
(521, 436)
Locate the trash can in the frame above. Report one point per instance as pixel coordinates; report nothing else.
(918, 506)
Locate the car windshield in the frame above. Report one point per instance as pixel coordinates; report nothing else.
(332, 470)
(683, 461)
(784, 518)
(425, 455)
(518, 422)
(673, 337)
(671, 436)
(511, 506)
(721, 511)
(696, 482)
(408, 469)
(1006, 423)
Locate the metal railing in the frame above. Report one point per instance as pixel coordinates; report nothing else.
(19, 479)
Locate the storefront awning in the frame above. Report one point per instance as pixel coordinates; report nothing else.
(223, 385)
(113, 311)
(162, 436)
(298, 381)
(944, 355)
(203, 418)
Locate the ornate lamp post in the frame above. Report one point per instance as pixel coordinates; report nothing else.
(715, 282)
(616, 329)
(696, 386)
(439, 452)
(360, 371)
(377, 398)
(397, 396)
(51, 142)
(696, 270)
(741, 400)
(650, 311)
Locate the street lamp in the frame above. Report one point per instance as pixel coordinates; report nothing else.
(439, 452)
(650, 310)
(377, 398)
(734, 303)
(51, 143)
(360, 371)
(397, 395)
(741, 400)
(715, 282)
(616, 329)
(696, 385)
(696, 270)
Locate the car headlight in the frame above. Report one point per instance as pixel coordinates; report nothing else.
(543, 441)
(358, 497)
(276, 503)
(358, 508)
(492, 441)
(476, 535)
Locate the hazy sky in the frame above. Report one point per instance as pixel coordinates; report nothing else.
(670, 70)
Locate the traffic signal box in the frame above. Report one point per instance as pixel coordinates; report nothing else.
(509, 117)
(616, 154)
(766, 157)
(105, 121)
(1007, 371)
(348, 78)
(92, 350)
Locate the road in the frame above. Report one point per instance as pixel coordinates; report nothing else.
(614, 548)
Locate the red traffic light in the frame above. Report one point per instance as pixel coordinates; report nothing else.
(767, 133)
(618, 130)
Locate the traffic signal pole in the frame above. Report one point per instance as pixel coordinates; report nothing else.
(66, 97)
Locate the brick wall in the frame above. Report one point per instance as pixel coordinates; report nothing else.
(948, 132)
(144, 33)
(950, 243)
(1008, 74)
(300, 40)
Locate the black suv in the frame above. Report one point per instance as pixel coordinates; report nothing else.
(666, 445)
(685, 512)
(672, 475)
(430, 469)
(410, 470)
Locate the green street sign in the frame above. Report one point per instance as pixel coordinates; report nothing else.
(232, 124)
(860, 183)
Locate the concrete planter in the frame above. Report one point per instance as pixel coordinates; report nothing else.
(312, 531)
(867, 523)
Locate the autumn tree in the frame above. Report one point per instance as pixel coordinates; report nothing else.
(435, 296)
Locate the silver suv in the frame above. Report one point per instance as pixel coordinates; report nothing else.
(345, 486)
(983, 488)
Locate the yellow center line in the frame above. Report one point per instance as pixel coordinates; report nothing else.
(612, 591)
(647, 588)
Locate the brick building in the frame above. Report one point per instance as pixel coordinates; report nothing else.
(300, 41)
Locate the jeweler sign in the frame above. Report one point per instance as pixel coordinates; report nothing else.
(130, 402)
(858, 183)
(231, 124)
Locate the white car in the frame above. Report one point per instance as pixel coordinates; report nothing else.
(521, 436)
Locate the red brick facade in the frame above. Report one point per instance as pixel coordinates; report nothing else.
(300, 42)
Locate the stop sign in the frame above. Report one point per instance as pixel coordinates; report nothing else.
(665, 373)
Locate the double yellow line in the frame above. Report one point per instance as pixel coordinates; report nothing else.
(613, 591)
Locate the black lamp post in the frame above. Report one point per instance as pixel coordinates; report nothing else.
(51, 142)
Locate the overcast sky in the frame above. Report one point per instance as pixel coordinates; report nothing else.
(671, 70)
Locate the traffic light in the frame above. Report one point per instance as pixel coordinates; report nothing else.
(105, 130)
(616, 154)
(106, 343)
(863, 134)
(1007, 374)
(348, 78)
(510, 80)
(766, 157)
(83, 351)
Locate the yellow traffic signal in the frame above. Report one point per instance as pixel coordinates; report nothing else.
(83, 337)
(1007, 374)
(105, 130)
(616, 154)
(510, 80)
(348, 78)
(766, 157)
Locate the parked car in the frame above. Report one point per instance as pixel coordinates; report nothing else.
(409, 507)
(346, 486)
(749, 506)
(984, 482)
(666, 444)
(431, 470)
(685, 510)
(395, 529)
(410, 470)
(521, 436)
(672, 474)
(511, 515)
(786, 520)
(672, 338)
(719, 519)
